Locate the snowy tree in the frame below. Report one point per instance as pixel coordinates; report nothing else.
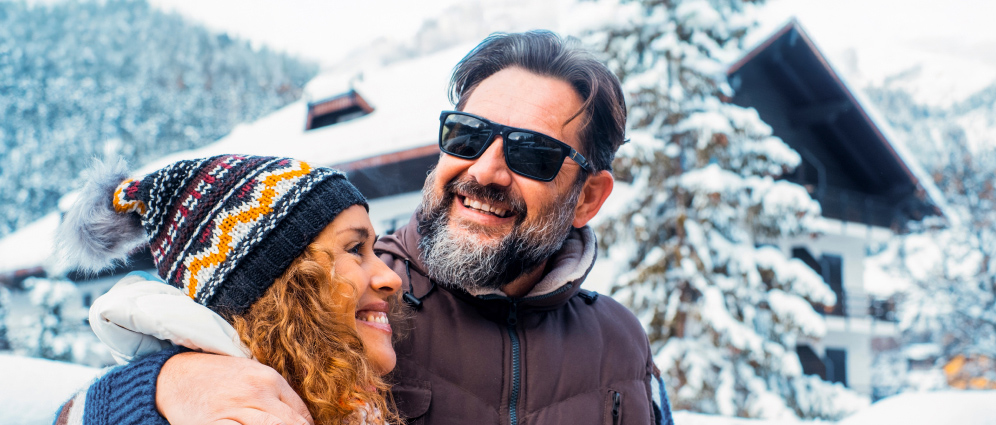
(4, 303)
(723, 308)
(118, 77)
(56, 332)
(951, 265)
(947, 263)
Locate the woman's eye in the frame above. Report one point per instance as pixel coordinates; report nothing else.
(356, 249)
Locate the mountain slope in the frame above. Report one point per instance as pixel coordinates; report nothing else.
(80, 80)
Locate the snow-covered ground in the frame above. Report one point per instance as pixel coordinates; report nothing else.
(939, 407)
(31, 390)
(927, 408)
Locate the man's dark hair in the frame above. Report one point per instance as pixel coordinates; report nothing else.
(547, 54)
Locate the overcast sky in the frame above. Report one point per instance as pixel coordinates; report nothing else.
(953, 40)
(322, 30)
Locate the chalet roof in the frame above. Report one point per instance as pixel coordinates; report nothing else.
(821, 99)
(406, 98)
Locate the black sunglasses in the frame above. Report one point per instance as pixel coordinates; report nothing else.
(527, 153)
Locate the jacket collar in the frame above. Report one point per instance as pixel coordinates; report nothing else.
(567, 268)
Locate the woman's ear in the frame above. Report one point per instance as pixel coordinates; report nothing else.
(594, 193)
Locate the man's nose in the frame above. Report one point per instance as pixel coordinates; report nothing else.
(490, 167)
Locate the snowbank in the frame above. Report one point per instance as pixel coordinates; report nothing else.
(32, 389)
(939, 407)
(926, 408)
(689, 418)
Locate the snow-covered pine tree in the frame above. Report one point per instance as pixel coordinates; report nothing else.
(723, 309)
(951, 265)
(118, 78)
(56, 333)
(4, 303)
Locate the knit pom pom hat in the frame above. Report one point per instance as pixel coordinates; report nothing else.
(221, 229)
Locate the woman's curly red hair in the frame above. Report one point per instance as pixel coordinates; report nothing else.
(304, 328)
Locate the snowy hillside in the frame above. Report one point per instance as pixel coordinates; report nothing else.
(84, 79)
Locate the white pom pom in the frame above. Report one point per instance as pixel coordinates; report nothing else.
(92, 236)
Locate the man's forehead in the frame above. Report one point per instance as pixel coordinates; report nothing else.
(520, 98)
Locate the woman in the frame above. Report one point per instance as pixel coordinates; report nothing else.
(281, 250)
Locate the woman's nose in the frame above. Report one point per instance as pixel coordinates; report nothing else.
(385, 280)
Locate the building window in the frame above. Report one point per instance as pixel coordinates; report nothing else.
(336, 109)
(832, 367)
(812, 364)
(833, 275)
(831, 268)
(836, 365)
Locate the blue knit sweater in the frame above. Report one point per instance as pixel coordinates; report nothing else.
(127, 394)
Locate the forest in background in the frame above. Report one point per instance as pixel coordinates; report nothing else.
(118, 78)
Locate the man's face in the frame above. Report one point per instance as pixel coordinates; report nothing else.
(482, 224)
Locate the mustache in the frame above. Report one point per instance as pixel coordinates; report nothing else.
(492, 194)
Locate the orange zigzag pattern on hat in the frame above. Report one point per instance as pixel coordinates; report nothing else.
(229, 222)
(122, 205)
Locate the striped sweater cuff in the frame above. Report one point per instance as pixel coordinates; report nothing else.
(127, 394)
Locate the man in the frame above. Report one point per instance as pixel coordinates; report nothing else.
(492, 264)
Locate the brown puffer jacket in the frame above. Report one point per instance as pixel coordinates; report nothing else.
(559, 355)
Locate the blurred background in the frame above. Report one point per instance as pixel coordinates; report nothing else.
(804, 217)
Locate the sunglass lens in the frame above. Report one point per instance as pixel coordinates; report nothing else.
(534, 155)
(463, 136)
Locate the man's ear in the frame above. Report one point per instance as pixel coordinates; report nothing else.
(596, 189)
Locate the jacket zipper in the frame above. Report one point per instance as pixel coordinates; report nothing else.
(512, 321)
(616, 408)
(513, 400)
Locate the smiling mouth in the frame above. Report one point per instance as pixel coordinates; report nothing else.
(485, 208)
(379, 317)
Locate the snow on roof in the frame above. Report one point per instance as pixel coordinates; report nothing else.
(406, 96)
(30, 246)
(328, 85)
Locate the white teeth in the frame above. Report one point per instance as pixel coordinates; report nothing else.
(375, 317)
(478, 205)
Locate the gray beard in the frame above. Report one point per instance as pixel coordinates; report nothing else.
(477, 267)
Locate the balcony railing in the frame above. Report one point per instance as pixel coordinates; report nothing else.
(861, 305)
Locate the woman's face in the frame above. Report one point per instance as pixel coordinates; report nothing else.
(351, 237)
